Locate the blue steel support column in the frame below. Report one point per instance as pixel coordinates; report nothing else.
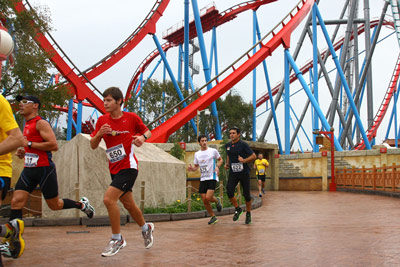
(79, 118)
(171, 75)
(186, 47)
(211, 51)
(180, 63)
(214, 32)
(307, 90)
(254, 134)
(315, 76)
(206, 69)
(287, 105)
(163, 95)
(278, 136)
(70, 118)
(343, 79)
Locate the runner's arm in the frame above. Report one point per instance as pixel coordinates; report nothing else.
(14, 140)
(46, 132)
(138, 140)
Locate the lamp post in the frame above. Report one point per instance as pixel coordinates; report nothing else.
(207, 113)
(329, 135)
(6, 45)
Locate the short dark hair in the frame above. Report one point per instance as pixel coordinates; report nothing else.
(237, 129)
(115, 93)
(201, 136)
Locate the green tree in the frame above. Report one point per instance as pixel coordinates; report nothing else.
(150, 105)
(29, 71)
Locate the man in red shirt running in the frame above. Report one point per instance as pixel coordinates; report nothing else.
(39, 169)
(121, 131)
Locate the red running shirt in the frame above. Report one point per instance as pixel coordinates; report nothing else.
(120, 150)
(35, 157)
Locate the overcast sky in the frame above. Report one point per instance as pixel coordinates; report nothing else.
(88, 30)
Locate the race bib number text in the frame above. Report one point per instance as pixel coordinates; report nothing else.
(237, 167)
(31, 160)
(116, 153)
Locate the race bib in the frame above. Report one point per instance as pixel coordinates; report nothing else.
(261, 171)
(237, 167)
(203, 169)
(116, 153)
(31, 160)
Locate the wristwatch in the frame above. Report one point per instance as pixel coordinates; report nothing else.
(29, 144)
(145, 137)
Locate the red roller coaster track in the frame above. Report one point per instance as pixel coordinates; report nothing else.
(209, 20)
(81, 89)
(162, 132)
(309, 64)
(371, 132)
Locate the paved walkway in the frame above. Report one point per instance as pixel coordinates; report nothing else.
(290, 229)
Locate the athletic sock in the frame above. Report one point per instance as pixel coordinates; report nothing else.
(116, 236)
(71, 204)
(145, 227)
(15, 214)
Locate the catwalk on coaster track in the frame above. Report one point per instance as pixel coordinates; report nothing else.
(280, 35)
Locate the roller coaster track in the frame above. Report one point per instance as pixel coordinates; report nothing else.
(309, 64)
(223, 17)
(279, 35)
(371, 132)
(79, 80)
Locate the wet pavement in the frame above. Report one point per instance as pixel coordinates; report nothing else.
(290, 229)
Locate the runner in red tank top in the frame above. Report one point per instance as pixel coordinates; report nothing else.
(121, 131)
(39, 169)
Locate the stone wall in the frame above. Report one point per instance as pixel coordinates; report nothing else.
(83, 171)
(310, 171)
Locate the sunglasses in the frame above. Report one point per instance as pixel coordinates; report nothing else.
(24, 101)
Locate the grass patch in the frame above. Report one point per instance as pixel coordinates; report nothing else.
(181, 206)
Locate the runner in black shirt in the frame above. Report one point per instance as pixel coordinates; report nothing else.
(239, 155)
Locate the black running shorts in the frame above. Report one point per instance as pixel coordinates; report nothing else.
(207, 185)
(45, 177)
(124, 180)
(261, 177)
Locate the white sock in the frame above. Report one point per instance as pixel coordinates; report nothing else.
(145, 227)
(116, 236)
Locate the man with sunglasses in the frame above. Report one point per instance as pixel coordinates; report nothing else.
(39, 168)
(10, 139)
(239, 154)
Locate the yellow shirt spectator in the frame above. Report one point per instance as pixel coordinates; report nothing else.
(7, 123)
(261, 165)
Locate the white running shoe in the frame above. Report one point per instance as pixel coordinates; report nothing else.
(86, 207)
(113, 247)
(148, 236)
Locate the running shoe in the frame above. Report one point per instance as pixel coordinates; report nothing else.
(248, 218)
(237, 214)
(213, 220)
(5, 250)
(86, 207)
(263, 191)
(15, 241)
(148, 236)
(113, 247)
(219, 206)
(260, 195)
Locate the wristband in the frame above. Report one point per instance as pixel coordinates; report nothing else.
(145, 137)
(29, 144)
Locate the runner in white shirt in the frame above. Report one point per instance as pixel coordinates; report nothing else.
(209, 169)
